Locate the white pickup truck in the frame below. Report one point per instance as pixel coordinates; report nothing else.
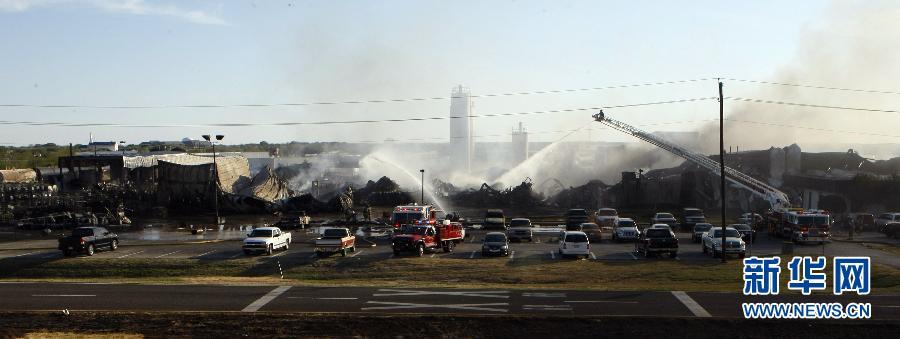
(335, 240)
(267, 240)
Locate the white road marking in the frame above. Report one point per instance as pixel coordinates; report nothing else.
(593, 256)
(262, 301)
(544, 295)
(23, 254)
(432, 255)
(483, 294)
(632, 256)
(512, 255)
(547, 307)
(205, 253)
(467, 307)
(599, 301)
(692, 305)
(552, 255)
(356, 253)
(337, 298)
(63, 295)
(279, 254)
(128, 255)
(163, 255)
(473, 254)
(236, 255)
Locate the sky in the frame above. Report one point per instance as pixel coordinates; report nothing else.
(171, 53)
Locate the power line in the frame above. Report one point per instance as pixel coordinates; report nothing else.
(775, 102)
(814, 86)
(338, 122)
(352, 102)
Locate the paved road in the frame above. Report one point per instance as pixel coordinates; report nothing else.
(112, 297)
(543, 249)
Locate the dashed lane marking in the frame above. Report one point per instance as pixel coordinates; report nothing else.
(128, 255)
(279, 254)
(552, 255)
(547, 307)
(23, 254)
(235, 255)
(472, 255)
(692, 305)
(632, 256)
(262, 301)
(432, 255)
(63, 295)
(599, 301)
(593, 256)
(356, 253)
(512, 255)
(465, 307)
(205, 253)
(543, 295)
(167, 254)
(483, 294)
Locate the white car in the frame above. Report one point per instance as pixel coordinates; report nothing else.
(665, 226)
(519, 229)
(886, 218)
(607, 217)
(625, 229)
(712, 242)
(574, 243)
(266, 240)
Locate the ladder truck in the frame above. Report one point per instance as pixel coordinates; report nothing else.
(778, 201)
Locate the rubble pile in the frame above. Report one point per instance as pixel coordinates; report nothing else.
(588, 195)
(384, 192)
(522, 196)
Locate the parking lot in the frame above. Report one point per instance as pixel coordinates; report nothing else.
(542, 248)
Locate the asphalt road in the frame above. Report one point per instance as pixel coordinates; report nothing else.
(374, 300)
(543, 248)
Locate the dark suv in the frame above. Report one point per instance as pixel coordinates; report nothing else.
(87, 240)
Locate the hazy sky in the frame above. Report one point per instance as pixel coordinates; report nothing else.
(159, 53)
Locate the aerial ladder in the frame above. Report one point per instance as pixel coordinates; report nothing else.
(777, 199)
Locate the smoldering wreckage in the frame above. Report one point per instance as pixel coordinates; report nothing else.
(103, 189)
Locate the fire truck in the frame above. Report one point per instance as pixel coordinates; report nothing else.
(415, 214)
(801, 226)
(423, 236)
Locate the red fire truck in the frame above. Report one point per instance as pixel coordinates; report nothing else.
(415, 214)
(424, 236)
(801, 226)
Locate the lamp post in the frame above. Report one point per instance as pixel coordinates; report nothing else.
(422, 171)
(215, 170)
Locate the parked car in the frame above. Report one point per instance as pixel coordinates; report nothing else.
(864, 222)
(712, 242)
(625, 230)
(691, 216)
(699, 229)
(891, 229)
(747, 233)
(495, 243)
(574, 243)
(592, 230)
(885, 218)
(335, 240)
(607, 217)
(658, 240)
(520, 228)
(576, 216)
(664, 218)
(494, 220)
(752, 219)
(266, 240)
(663, 226)
(88, 240)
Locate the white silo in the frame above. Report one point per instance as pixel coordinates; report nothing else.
(462, 144)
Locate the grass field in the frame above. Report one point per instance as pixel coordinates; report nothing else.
(461, 273)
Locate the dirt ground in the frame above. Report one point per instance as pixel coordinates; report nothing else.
(229, 325)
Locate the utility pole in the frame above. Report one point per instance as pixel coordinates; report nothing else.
(423, 186)
(722, 162)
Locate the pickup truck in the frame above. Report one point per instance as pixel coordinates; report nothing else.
(87, 240)
(421, 237)
(266, 240)
(335, 240)
(657, 240)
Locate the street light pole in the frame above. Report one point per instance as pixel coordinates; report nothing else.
(722, 162)
(215, 170)
(422, 171)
